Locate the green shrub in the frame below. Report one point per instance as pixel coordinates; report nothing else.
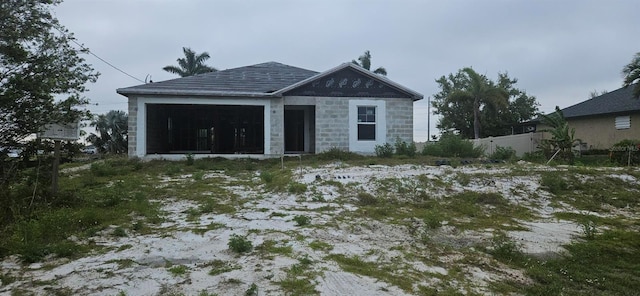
(366, 199)
(503, 153)
(190, 159)
(626, 151)
(335, 153)
(451, 145)
(385, 150)
(554, 182)
(505, 249)
(302, 220)
(266, 177)
(239, 244)
(297, 188)
(404, 148)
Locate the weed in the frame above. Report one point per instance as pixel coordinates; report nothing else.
(252, 291)
(190, 159)
(404, 148)
(197, 176)
(178, 270)
(220, 267)
(432, 219)
(554, 182)
(269, 247)
(319, 245)
(119, 232)
(239, 244)
(366, 199)
(384, 151)
(302, 220)
(297, 188)
(504, 249)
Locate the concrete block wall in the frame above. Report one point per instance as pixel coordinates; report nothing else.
(277, 127)
(332, 123)
(132, 126)
(399, 120)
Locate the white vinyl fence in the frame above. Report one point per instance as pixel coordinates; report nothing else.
(521, 143)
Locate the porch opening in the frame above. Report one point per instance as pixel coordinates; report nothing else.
(299, 129)
(215, 129)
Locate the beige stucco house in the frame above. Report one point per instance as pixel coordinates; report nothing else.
(605, 120)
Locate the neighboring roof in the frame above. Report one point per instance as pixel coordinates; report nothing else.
(617, 101)
(383, 82)
(256, 80)
(262, 80)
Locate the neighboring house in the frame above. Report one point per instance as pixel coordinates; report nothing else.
(604, 120)
(268, 109)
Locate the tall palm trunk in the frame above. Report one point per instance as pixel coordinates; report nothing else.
(476, 117)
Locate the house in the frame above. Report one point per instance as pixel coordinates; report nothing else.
(268, 109)
(604, 120)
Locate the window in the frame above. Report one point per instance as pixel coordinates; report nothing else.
(366, 123)
(623, 122)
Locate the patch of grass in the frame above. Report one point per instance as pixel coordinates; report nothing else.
(6, 279)
(122, 263)
(269, 248)
(605, 265)
(553, 182)
(297, 188)
(385, 272)
(124, 247)
(220, 267)
(366, 199)
(119, 232)
(320, 246)
(178, 270)
(302, 220)
(239, 244)
(298, 280)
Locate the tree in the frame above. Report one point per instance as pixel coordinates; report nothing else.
(42, 76)
(112, 132)
(478, 107)
(478, 92)
(191, 64)
(631, 74)
(562, 137)
(365, 62)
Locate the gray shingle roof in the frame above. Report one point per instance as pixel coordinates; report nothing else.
(256, 80)
(617, 101)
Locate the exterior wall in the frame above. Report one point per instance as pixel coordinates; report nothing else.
(132, 126)
(335, 122)
(599, 132)
(276, 124)
(332, 123)
(399, 120)
(521, 143)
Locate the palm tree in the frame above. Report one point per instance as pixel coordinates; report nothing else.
(481, 91)
(562, 137)
(191, 64)
(112, 130)
(631, 74)
(365, 62)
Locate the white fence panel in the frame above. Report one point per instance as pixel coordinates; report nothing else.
(521, 143)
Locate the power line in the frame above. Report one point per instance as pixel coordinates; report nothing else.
(95, 55)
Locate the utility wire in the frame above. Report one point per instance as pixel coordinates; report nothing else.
(95, 55)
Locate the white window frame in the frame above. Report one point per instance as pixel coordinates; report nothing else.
(367, 146)
(366, 122)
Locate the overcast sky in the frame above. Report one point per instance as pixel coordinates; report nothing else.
(559, 50)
